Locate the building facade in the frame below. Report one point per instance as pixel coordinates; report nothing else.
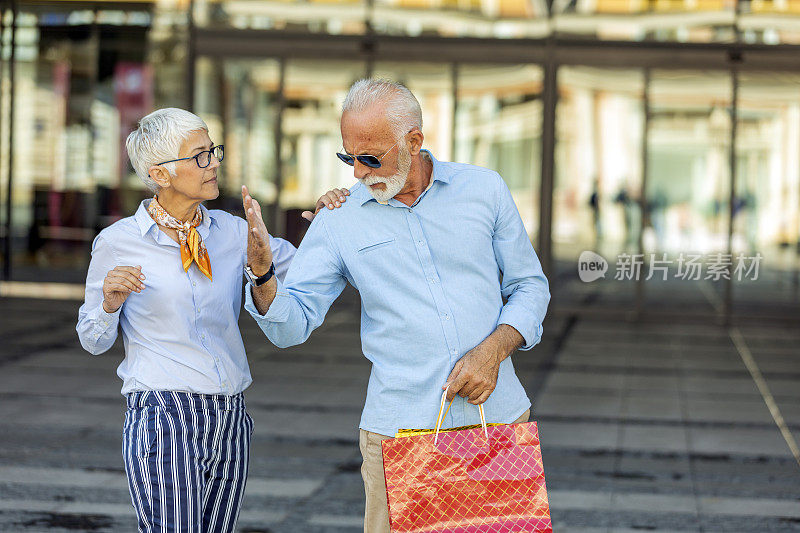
(643, 128)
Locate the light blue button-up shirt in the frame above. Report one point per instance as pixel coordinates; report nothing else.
(432, 279)
(181, 332)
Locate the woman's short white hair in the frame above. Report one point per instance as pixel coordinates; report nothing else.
(402, 108)
(159, 137)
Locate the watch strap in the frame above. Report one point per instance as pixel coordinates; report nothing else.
(259, 281)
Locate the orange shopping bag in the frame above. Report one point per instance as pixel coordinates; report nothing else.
(477, 479)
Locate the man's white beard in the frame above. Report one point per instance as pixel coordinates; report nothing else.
(395, 183)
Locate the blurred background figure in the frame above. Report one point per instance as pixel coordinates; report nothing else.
(594, 205)
(628, 207)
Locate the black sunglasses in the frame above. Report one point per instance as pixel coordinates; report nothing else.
(371, 161)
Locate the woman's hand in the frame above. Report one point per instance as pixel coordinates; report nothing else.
(333, 199)
(119, 283)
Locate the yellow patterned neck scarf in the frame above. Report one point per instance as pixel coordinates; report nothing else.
(192, 247)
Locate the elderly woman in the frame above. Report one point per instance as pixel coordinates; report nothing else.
(171, 276)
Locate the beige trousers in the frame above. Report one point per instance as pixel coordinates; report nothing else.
(376, 512)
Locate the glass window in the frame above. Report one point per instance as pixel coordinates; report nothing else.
(432, 84)
(237, 99)
(79, 90)
(637, 20)
(766, 238)
(498, 126)
(316, 16)
(499, 19)
(770, 21)
(314, 92)
(598, 178)
(688, 187)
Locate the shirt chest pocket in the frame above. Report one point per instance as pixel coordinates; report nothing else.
(376, 245)
(373, 258)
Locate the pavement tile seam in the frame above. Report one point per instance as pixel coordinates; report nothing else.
(673, 372)
(608, 392)
(733, 459)
(630, 421)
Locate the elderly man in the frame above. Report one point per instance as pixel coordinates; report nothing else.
(433, 248)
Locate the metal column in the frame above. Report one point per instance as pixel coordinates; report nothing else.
(728, 302)
(640, 283)
(454, 87)
(549, 102)
(796, 281)
(7, 248)
(7, 210)
(277, 222)
(368, 44)
(191, 58)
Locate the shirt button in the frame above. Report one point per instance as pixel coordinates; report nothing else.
(446, 316)
(194, 284)
(454, 352)
(202, 337)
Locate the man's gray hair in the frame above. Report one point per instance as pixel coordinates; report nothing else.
(402, 108)
(159, 137)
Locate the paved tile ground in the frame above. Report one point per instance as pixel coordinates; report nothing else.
(655, 426)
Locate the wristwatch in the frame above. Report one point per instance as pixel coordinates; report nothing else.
(257, 281)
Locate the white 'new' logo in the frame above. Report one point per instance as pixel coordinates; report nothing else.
(591, 266)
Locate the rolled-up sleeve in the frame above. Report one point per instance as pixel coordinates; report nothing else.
(524, 286)
(282, 256)
(314, 280)
(97, 330)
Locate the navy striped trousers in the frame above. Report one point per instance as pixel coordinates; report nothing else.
(186, 456)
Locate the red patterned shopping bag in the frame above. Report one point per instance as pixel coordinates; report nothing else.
(478, 479)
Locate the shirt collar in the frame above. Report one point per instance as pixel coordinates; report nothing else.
(146, 222)
(440, 172)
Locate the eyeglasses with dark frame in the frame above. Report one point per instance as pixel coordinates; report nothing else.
(204, 156)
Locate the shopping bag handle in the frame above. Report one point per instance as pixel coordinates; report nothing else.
(440, 417)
